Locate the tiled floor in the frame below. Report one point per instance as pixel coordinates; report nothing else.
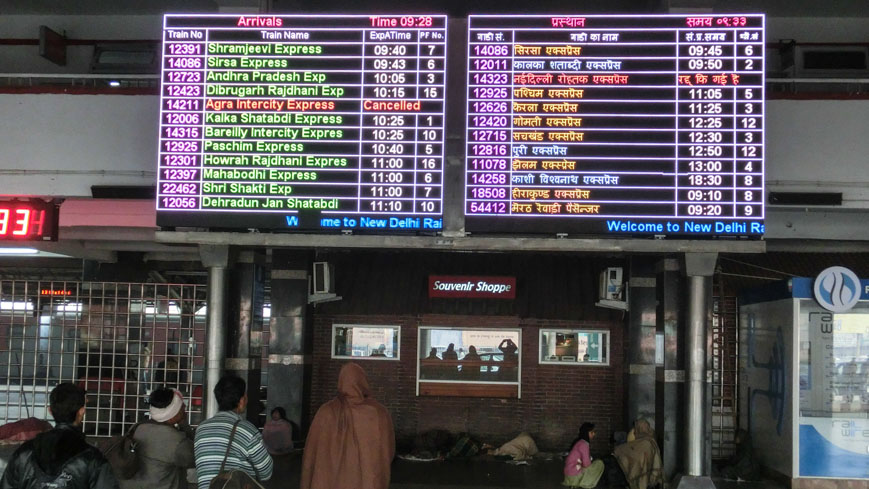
(478, 473)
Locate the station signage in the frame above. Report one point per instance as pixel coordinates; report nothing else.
(471, 286)
(303, 122)
(618, 125)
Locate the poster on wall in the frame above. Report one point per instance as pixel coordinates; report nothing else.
(765, 380)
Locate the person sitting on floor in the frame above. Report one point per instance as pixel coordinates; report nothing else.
(278, 433)
(640, 458)
(741, 465)
(579, 469)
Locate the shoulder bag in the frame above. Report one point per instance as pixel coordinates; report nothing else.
(233, 479)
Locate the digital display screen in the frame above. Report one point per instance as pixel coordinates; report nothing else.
(28, 220)
(617, 125)
(302, 122)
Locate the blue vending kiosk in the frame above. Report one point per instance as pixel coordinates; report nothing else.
(804, 376)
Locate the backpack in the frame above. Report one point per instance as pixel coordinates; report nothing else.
(120, 451)
(233, 479)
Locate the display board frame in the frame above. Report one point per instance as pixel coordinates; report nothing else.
(376, 165)
(607, 184)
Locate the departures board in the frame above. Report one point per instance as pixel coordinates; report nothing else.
(603, 125)
(616, 125)
(302, 122)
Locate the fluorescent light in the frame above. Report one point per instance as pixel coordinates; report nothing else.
(16, 306)
(114, 83)
(18, 251)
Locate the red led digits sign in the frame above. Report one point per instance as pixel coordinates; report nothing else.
(32, 220)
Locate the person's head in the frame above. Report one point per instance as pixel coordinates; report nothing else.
(67, 403)
(166, 405)
(586, 432)
(279, 413)
(642, 428)
(352, 382)
(741, 437)
(433, 352)
(231, 394)
(451, 347)
(472, 349)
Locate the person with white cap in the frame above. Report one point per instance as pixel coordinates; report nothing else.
(164, 444)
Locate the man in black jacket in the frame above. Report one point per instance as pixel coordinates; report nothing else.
(60, 458)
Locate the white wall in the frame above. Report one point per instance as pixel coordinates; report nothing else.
(818, 29)
(26, 59)
(819, 146)
(62, 144)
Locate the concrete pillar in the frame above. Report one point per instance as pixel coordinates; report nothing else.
(641, 340)
(670, 375)
(290, 333)
(216, 259)
(244, 326)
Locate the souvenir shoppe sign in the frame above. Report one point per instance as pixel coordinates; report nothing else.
(471, 286)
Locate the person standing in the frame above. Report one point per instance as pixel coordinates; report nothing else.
(471, 364)
(248, 453)
(60, 458)
(579, 469)
(165, 451)
(351, 442)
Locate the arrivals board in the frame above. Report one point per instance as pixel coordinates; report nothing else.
(616, 125)
(308, 122)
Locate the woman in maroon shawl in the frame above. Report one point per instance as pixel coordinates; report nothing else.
(351, 442)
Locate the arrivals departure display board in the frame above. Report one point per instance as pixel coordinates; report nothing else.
(617, 125)
(309, 122)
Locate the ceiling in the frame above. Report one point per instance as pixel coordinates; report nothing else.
(776, 8)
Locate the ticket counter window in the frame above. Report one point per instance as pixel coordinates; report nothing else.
(365, 342)
(574, 347)
(452, 361)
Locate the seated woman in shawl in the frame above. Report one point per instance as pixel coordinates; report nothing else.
(741, 464)
(640, 458)
(579, 470)
(278, 433)
(351, 441)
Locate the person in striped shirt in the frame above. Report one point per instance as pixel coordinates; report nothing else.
(248, 453)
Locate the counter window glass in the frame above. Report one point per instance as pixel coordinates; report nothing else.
(574, 347)
(834, 362)
(374, 342)
(469, 355)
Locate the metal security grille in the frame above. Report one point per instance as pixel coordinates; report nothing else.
(119, 341)
(724, 374)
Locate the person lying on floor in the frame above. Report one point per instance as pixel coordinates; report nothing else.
(520, 448)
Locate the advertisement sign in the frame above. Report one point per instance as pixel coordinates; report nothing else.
(834, 386)
(471, 286)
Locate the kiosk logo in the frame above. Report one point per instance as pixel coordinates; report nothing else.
(837, 289)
